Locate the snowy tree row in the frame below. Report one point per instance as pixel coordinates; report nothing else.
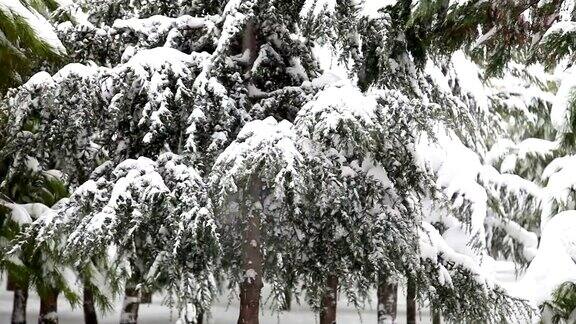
(306, 145)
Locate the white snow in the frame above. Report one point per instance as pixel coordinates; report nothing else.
(433, 245)
(155, 58)
(14, 9)
(38, 79)
(256, 140)
(560, 27)
(554, 262)
(528, 239)
(317, 7)
(561, 112)
(224, 311)
(457, 169)
(25, 213)
(341, 103)
(561, 176)
(370, 7)
(468, 75)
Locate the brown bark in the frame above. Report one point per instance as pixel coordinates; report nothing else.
(387, 301)
(436, 317)
(90, 316)
(146, 298)
(19, 305)
(200, 317)
(130, 307)
(49, 308)
(287, 300)
(250, 288)
(328, 312)
(411, 302)
(11, 284)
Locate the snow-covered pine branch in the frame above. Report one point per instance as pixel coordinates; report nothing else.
(152, 219)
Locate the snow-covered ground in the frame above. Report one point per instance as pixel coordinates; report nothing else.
(156, 313)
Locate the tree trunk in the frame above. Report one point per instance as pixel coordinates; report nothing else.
(11, 284)
(328, 312)
(287, 300)
(250, 288)
(436, 317)
(49, 308)
(411, 302)
(387, 301)
(19, 305)
(90, 316)
(200, 317)
(145, 297)
(130, 306)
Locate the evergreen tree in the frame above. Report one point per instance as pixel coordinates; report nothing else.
(26, 39)
(359, 215)
(30, 192)
(255, 185)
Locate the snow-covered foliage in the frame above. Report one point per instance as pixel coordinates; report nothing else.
(254, 182)
(150, 219)
(554, 262)
(26, 39)
(31, 265)
(361, 207)
(18, 12)
(313, 173)
(85, 114)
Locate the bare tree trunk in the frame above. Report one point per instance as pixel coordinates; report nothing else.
(436, 317)
(11, 284)
(287, 300)
(328, 312)
(200, 317)
(250, 288)
(49, 308)
(130, 307)
(90, 316)
(387, 301)
(411, 302)
(19, 305)
(145, 297)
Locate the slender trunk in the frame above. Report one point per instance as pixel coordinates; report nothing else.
(49, 308)
(11, 284)
(411, 302)
(19, 305)
(146, 298)
(200, 317)
(130, 306)
(436, 317)
(287, 300)
(250, 288)
(90, 316)
(387, 301)
(328, 312)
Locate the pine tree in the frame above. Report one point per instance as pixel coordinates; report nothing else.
(29, 265)
(37, 114)
(254, 182)
(357, 216)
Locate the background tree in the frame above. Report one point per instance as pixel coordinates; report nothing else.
(27, 39)
(254, 182)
